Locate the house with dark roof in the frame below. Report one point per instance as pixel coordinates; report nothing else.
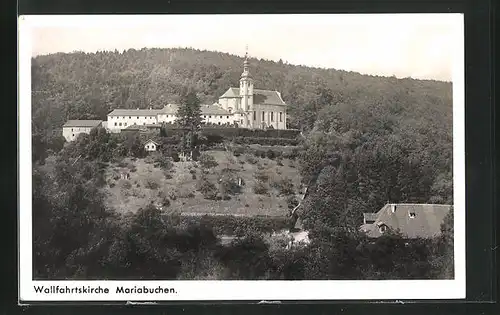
(72, 128)
(411, 220)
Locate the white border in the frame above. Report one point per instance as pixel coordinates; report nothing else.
(234, 290)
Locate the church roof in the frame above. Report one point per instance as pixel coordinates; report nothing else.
(231, 92)
(265, 97)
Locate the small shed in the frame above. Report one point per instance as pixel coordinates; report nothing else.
(150, 146)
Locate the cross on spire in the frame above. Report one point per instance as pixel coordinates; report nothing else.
(246, 51)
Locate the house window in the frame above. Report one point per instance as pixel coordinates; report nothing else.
(210, 116)
(281, 117)
(120, 124)
(73, 135)
(204, 116)
(153, 122)
(412, 215)
(254, 115)
(219, 122)
(115, 123)
(129, 117)
(144, 123)
(227, 117)
(263, 116)
(124, 124)
(220, 117)
(272, 116)
(137, 117)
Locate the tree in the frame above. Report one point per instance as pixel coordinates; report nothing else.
(189, 118)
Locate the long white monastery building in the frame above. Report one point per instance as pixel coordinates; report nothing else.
(245, 106)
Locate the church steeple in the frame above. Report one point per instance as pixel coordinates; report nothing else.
(246, 93)
(246, 70)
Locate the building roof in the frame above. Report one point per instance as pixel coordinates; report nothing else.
(83, 123)
(134, 112)
(169, 109)
(266, 97)
(426, 222)
(214, 110)
(205, 109)
(370, 216)
(150, 141)
(231, 93)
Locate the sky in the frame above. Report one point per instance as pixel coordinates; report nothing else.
(420, 46)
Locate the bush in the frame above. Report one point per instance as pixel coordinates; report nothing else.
(250, 159)
(175, 156)
(150, 184)
(284, 187)
(207, 161)
(261, 176)
(260, 188)
(207, 189)
(168, 175)
(232, 225)
(292, 202)
(164, 162)
(126, 185)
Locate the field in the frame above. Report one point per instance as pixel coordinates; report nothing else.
(151, 184)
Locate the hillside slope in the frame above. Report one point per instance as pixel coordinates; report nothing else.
(89, 85)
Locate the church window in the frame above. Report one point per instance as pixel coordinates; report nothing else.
(129, 117)
(227, 117)
(263, 116)
(281, 117)
(254, 115)
(219, 122)
(272, 116)
(210, 116)
(137, 117)
(124, 124)
(220, 117)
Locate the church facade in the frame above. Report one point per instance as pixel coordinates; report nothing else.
(242, 106)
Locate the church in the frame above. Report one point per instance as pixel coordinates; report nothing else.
(241, 106)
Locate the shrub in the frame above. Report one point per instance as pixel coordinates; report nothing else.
(126, 185)
(165, 202)
(260, 188)
(111, 185)
(150, 184)
(193, 176)
(192, 171)
(175, 156)
(228, 185)
(284, 187)
(270, 154)
(292, 202)
(232, 225)
(207, 161)
(250, 159)
(164, 162)
(206, 188)
(261, 176)
(168, 175)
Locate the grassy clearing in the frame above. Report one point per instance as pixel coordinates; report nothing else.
(150, 184)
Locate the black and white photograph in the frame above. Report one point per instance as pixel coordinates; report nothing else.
(241, 157)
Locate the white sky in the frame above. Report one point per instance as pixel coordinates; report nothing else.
(405, 45)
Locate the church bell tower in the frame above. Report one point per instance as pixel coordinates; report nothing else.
(246, 93)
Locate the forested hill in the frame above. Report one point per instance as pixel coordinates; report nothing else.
(88, 85)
